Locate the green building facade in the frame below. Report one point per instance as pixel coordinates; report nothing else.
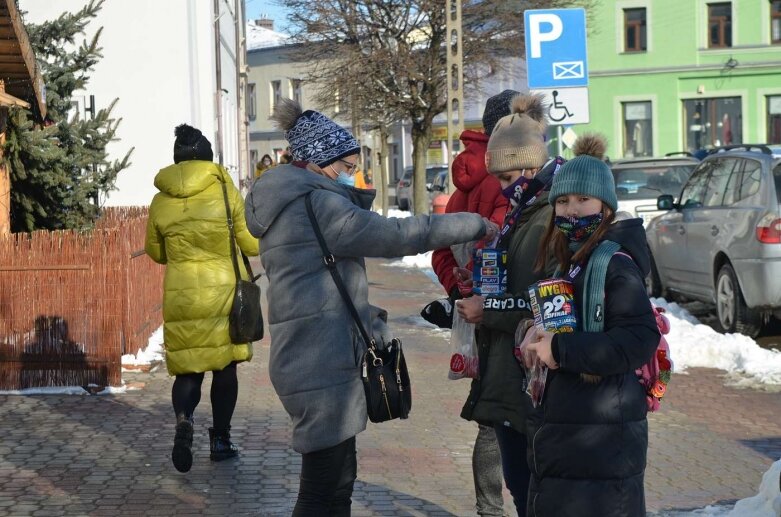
(683, 75)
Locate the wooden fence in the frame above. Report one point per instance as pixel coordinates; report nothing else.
(72, 303)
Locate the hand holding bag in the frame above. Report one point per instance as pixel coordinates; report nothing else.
(245, 321)
(386, 382)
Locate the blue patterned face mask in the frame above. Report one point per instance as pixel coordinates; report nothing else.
(345, 179)
(578, 229)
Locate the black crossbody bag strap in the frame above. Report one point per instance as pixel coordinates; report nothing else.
(234, 254)
(330, 262)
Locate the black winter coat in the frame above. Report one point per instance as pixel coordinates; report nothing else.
(588, 440)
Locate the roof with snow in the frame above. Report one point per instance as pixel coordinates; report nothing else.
(261, 37)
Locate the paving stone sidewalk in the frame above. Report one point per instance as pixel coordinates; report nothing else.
(109, 455)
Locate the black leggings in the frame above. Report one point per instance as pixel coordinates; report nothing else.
(327, 478)
(186, 393)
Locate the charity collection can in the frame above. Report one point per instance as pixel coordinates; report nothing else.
(553, 305)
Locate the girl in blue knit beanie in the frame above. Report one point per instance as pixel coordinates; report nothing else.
(589, 436)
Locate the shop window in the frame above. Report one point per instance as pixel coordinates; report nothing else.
(634, 30)
(712, 123)
(638, 129)
(720, 25)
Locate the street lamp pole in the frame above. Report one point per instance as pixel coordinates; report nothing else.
(455, 79)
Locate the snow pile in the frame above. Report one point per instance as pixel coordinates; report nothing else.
(767, 503)
(70, 390)
(261, 37)
(693, 344)
(152, 353)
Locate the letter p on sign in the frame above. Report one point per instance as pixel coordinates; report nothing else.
(537, 36)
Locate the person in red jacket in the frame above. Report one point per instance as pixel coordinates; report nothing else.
(480, 193)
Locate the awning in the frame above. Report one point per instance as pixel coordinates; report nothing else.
(23, 80)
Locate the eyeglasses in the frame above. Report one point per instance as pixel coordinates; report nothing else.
(351, 167)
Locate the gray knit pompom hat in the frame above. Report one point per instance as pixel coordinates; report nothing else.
(517, 141)
(587, 173)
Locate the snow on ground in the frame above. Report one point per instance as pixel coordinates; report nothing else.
(153, 351)
(767, 503)
(693, 344)
(68, 390)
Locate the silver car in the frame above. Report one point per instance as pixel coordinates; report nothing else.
(720, 242)
(404, 187)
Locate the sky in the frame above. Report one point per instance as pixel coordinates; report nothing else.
(269, 8)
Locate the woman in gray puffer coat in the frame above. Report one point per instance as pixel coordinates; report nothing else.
(315, 346)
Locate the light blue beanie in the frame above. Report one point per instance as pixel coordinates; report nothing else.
(587, 173)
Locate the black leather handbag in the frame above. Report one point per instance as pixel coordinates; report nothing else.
(386, 382)
(245, 320)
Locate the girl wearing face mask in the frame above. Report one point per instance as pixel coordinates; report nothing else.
(517, 156)
(588, 439)
(263, 165)
(315, 350)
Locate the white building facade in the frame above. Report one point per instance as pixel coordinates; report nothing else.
(169, 62)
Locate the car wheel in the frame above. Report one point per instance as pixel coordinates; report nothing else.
(653, 284)
(731, 308)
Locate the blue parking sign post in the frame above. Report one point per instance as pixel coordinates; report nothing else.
(556, 48)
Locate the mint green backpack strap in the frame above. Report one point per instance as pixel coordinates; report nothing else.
(594, 283)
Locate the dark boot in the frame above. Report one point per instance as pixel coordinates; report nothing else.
(221, 446)
(182, 454)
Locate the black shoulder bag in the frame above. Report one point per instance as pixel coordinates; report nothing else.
(245, 321)
(383, 371)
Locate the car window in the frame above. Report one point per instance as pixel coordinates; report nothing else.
(694, 191)
(650, 182)
(719, 178)
(752, 178)
(431, 174)
(777, 178)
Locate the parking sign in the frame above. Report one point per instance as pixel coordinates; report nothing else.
(556, 48)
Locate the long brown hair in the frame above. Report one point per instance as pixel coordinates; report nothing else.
(555, 240)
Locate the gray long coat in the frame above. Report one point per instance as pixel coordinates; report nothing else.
(315, 347)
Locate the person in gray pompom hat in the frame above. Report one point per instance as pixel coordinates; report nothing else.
(315, 348)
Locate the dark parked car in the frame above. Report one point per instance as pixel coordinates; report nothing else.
(639, 181)
(720, 242)
(404, 186)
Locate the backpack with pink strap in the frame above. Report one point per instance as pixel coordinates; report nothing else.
(656, 373)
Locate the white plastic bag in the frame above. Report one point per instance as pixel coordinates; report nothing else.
(464, 362)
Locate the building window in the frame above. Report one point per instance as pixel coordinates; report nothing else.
(295, 85)
(276, 93)
(341, 104)
(252, 106)
(712, 123)
(253, 159)
(774, 119)
(634, 30)
(720, 25)
(775, 21)
(638, 129)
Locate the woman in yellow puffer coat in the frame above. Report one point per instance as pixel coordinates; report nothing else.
(188, 232)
